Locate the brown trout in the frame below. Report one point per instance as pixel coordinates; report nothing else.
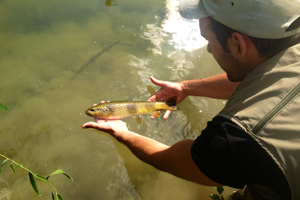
(125, 109)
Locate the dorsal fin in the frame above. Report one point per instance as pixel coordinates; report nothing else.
(151, 90)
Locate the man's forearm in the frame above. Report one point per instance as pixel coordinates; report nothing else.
(142, 147)
(218, 87)
(175, 159)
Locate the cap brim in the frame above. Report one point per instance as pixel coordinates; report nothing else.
(192, 9)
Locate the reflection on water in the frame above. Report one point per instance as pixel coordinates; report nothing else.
(185, 33)
(174, 32)
(48, 80)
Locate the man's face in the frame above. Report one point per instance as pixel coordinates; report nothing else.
(227, 62)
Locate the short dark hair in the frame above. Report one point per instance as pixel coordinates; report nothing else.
(265, 47)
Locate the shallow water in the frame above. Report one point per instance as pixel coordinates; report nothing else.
(59, 57)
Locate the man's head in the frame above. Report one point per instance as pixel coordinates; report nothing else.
(266, 48)
(269, 19)
(240, 56)
(249, 31)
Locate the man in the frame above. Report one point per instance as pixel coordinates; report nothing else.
(255, 139)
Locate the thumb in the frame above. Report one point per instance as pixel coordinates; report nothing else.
(179, 99)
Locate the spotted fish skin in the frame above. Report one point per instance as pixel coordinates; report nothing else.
(124, 109)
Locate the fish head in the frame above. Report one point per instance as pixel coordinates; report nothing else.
(99, 111)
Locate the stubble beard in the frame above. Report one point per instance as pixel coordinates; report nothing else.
(233, 69)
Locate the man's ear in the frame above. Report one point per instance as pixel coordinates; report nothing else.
(239, 45)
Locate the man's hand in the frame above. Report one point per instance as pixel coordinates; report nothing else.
(112, 127)
(167, 91)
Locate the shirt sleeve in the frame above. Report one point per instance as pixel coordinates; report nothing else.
(228, 155)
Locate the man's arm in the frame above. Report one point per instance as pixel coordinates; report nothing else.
(175, 159)
(217, 87)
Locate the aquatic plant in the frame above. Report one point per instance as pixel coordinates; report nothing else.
(218, 196)
(3, 107)
(32, 177)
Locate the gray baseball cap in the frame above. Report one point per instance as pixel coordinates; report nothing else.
(257, 18)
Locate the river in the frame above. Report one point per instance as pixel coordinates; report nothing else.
(59, 57)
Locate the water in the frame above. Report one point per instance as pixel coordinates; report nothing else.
(48, 79)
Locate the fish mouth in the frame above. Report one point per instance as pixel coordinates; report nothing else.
(88, 113)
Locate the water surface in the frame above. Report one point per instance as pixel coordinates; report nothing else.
(59, 57)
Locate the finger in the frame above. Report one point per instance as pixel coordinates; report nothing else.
(157, 82)
(158, 96)
(167, 114)
(104, 101)
(90, 125)
(152, 98)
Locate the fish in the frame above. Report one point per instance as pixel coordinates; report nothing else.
(126, 109)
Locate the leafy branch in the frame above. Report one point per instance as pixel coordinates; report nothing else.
(218, 196)
(32, 177)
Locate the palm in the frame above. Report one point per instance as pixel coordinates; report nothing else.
(108, 126)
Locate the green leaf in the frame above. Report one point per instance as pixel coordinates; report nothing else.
(3, 107)
(41, 177)
(33, 184)
(12, 167)
(214, 196)
(59, 197)
(59, 171)
(69, 177)
(3, 164)
(220, 189)
(53, 198)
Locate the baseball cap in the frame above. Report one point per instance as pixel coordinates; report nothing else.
(257, 18)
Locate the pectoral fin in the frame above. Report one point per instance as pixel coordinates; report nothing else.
(138, 119)
(156, 114)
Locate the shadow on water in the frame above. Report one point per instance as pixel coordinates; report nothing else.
(111, 52)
